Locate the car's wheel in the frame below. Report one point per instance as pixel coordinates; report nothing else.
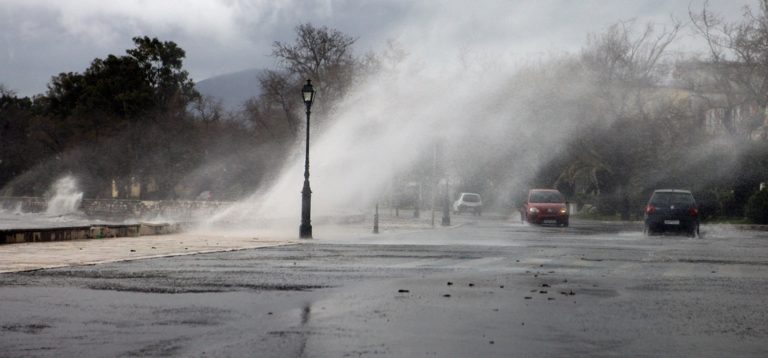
(565, 223)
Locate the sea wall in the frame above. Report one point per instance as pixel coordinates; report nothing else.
(179, 210)
(17, 236)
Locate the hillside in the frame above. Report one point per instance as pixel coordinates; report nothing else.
(232, 88)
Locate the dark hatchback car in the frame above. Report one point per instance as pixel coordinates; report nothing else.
(672, 210)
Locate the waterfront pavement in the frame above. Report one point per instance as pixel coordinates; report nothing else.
(42, 255)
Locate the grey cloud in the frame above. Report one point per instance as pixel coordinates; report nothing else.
(41, 38)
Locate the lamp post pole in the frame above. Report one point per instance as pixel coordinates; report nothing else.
(305, 230)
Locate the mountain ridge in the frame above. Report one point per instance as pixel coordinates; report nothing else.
(233, 88)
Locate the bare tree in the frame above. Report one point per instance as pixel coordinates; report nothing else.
(207, 108)
(321, 54)
(280, 91)
(624, 68)
(738, 53)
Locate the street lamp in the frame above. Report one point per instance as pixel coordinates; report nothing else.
(305, 230)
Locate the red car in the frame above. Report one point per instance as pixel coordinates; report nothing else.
(545, 206)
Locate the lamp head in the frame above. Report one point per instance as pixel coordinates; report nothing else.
(308, 93)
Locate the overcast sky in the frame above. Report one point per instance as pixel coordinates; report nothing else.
(41, 38)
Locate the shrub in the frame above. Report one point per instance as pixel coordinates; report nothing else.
(709, 204)
(757, 207)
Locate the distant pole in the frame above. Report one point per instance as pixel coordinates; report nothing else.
(446, 207)
(376, 220)
(305, 230)
(435, 182)
(417, 211)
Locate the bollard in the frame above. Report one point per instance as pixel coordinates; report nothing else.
(376, 220)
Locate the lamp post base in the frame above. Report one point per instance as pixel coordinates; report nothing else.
(305, 231)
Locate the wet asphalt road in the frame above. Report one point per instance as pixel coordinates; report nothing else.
(487, 288)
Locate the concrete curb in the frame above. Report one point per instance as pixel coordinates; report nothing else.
(751, 227)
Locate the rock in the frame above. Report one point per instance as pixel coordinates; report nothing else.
(403, 291)
(490, 342)
(550, 298)
(450, 283)
(502, 286)
(543, 292)
(528, 297)
(545, 285)
(133, 250)
(471, 285)
(446, 295)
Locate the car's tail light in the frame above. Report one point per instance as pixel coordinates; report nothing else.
(694, 212)
(650, 209)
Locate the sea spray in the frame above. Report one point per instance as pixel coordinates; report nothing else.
(65, 197)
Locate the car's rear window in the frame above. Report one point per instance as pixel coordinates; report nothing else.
(471, 198)
(546, 197)
(669, 198)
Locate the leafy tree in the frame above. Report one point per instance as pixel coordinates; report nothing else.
(162, 66)
(123, 117)
(149, 78)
